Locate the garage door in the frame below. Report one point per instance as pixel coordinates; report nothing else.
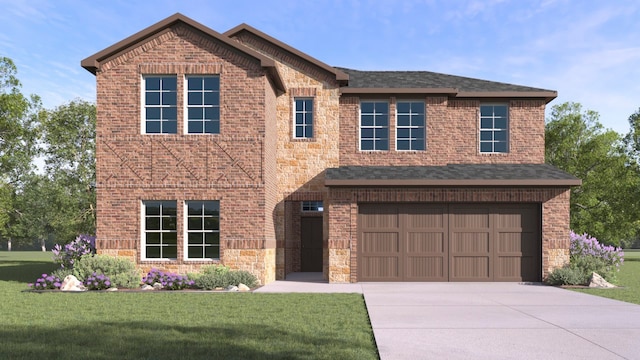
(430, 242)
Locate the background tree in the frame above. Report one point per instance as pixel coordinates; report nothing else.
(606, 205)
(18, 116)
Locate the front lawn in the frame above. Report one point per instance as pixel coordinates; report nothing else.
(628, 280)
(171, 325)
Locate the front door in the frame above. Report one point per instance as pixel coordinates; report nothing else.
(311, 244)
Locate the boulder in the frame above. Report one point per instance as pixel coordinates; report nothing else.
(146, 287)
(598, 281)
(243, 287)
(232, 288)
(157, 286)
(112, 289)
(71, 283)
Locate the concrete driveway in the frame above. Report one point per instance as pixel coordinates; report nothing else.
(498, 321)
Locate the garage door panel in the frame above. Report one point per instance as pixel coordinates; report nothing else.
(470, 268)
(380, 268)
(379, 217)
(380, 242)
(508, 267)
(425, 268)
(509, 242)
(473, 218)
(471, 242)
(422, 217)
(425, 242)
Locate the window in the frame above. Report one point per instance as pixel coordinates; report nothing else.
(493, 128)
(203, 105)
(374, 125)
(303, 114)
(312, 206)
(160, 223)
(160, 112)
(410, 125)
(203, 229)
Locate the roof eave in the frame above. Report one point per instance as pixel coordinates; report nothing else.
(452, 182)
(93, 62)
(340, 75)
(547, 95)
(443, 91)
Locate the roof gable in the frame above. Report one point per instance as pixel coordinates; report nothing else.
(94, 62)
(339, 74)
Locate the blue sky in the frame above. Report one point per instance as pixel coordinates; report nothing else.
(589, 51)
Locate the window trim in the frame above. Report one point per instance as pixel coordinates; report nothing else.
(374, 127)
(185, 242)
(143, 232)
(507, 129)
(294, 112)
(318, 204)
(185, 103)
(424, 126)
(143, 105)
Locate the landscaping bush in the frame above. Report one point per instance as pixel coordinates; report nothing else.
(66, 256)
(46, 282)
(169, 281)
(213, 280)
(97, 282)
(120, 271)
(62, 272)
(587, 255)
(209, 269)
(567, 275)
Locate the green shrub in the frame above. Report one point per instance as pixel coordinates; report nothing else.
(210, 270)
(62, 272)
(590, 264)
(121, 271)
(568, 275)
(222, 279)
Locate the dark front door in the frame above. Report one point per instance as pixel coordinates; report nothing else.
(311, 244)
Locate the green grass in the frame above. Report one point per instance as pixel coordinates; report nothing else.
(628, 279)
(172, 325)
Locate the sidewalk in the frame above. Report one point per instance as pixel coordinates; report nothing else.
(308, 283)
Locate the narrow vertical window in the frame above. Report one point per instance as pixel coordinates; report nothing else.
(410, 121)
(203, 104)
(159, 228)
(303, 117)
(203, 230)
(374, 125)
(494, 125)
(160, 111)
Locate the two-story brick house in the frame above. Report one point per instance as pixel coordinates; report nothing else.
(238, 149)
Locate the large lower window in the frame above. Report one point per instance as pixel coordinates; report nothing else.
(494, 122)
(160, 224)
(203, 105)
(303, 118)
(410, 125)
(160, 112)
(374, 125)
(203, 229)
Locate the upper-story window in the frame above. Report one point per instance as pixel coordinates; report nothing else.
(494, 126)
(410, 134)
(374, 125)
(203, 104)
(160, 111)
(303, 114)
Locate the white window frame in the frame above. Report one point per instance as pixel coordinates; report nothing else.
(143, 105)
(185, 242)
(186, 105)
(360, 127)
(493, 130)
(309, 206)
(143, 231)
(411, 126)
(305, 124)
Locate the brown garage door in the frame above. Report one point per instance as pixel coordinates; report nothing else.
(430, 242)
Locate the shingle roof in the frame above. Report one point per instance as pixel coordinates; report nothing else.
(451, 175)
(426, 79)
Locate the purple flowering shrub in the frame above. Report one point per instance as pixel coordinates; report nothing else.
(169, 281)
(97, 282)
(587, 255)
(587, 246)
(68, 254)
(46, 282)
